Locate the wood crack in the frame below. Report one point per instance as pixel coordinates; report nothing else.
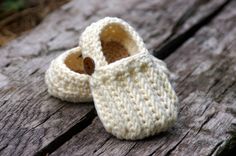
(1, 149)
(177, 144)
(216, 81)
(130, 149)
(105, 141)
(182, 20)
(33, 72)
(3, 103)
(46, 119)
(172, 45)
(215, 148)
(204, 123)
(157, 149)
(220, 98)
(60, 140)
(227, 147)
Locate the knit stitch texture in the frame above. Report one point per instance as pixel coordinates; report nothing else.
(66, 84)
(132, 95)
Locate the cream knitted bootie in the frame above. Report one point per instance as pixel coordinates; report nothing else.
(131, 91)
(66, 79)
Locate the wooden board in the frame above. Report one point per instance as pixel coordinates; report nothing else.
(204, 78)
(32, 121)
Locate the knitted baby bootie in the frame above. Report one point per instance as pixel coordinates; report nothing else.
(66, 79)
(130, 88)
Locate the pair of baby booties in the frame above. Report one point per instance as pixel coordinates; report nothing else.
(112, 67)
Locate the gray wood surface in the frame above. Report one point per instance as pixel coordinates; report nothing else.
(204, 78)
(203, 69)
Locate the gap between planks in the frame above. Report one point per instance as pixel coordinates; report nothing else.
(169, 46)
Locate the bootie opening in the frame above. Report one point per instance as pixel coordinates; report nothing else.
(117, 43)
(74, 62)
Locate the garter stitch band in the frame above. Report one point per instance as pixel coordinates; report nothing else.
(64, 82)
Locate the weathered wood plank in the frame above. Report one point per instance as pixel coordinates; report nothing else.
(30, 118)
(204, 77)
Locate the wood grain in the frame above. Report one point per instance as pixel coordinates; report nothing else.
(204, 78)
(32, 121)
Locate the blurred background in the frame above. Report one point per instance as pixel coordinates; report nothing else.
(19, 16)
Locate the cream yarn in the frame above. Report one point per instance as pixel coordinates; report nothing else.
(66, 84)
(132, 95)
